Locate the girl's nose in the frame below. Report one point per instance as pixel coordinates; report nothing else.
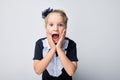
(56, 28)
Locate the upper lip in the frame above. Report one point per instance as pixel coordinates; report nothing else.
(55, 34)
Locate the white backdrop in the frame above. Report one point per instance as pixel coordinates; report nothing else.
(93, 24)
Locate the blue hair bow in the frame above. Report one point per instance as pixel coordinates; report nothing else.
(46, 12)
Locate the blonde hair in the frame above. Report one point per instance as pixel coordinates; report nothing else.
(61, 12)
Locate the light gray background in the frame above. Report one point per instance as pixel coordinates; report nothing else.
(93, 24)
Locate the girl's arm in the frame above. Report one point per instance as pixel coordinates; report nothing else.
(40, 65)
(69, 66)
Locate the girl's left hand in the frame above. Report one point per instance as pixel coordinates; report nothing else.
(61, 40)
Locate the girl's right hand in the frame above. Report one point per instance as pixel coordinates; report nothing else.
(50, 41)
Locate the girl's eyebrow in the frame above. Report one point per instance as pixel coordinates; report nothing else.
(61, 22)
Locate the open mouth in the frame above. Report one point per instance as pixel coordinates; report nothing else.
(55, 37)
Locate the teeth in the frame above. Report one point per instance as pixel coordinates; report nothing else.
(55, 35)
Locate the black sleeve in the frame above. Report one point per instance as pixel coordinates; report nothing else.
(72, 51)
(38, 50)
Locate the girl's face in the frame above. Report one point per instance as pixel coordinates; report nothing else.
(55, 26)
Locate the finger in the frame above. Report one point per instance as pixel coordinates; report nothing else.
(62, 37)
(63, 34)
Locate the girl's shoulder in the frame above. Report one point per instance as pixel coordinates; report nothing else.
(40, 40)
(70, 40)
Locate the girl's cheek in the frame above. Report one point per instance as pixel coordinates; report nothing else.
(47, 31)
(62, 31)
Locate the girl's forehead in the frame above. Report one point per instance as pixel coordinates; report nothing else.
(55, 17)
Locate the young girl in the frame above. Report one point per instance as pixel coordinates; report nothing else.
(55, 55)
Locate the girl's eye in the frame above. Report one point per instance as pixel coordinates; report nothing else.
(60, 25)
(51, 24)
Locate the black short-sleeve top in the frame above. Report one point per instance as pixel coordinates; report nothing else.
(55, 68)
